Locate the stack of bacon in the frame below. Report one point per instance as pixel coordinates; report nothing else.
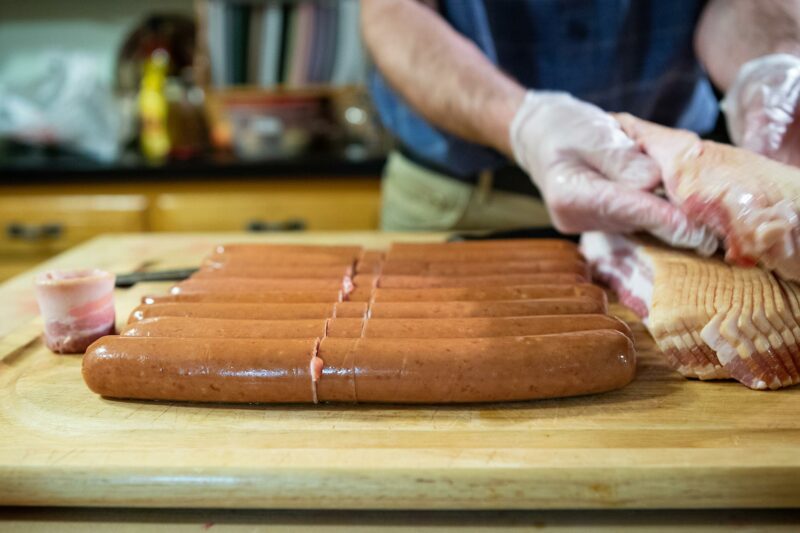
(711, 320)
(420, 323)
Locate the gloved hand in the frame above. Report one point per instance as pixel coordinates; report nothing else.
(592, 175)
(761, 105)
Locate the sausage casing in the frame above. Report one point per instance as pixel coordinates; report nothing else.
(201, 370)
(255, 311)
(276, 296)
(498, 308)
(499, 280)
(455, 328)
(474, 370)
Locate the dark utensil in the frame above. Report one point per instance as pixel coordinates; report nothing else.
(522, 233)
(132, 278)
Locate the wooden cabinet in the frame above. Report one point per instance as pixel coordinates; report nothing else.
(40, 221)
(35, 227)
(315, 205)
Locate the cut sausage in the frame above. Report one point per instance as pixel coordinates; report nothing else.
(232, 285)
(474, 370)
(420, 282)
(524, 292)
(250, 261)
(423, 268)
(263, 248)
(489, 245)
(454, 328)
(272, 271)
(248, 297)
(363, 370)
(271, 311)
(226, 328)
(494, 308)
(201, 370)
(477, 255)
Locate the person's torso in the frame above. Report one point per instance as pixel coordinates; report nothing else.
(623, 55)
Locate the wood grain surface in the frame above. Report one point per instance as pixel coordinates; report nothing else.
(662, 442)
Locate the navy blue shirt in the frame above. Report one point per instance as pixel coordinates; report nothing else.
(622, 55)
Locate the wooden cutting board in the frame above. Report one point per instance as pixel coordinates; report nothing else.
(661, 442)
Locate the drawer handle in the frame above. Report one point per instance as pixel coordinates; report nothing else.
(34, 232)
(294, 224)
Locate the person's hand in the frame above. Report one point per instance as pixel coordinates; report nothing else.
(592, 175)
(761, 107)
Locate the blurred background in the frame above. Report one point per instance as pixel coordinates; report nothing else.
(181, 115)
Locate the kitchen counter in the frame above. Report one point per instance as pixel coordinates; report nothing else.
(697, 445)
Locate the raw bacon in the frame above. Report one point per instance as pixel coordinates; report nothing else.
(77, 307)
(749, 201)
(710, 320)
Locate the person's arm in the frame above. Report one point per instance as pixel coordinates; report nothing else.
(590, 173)
(751, 50)
(441, 74)
(732, 32)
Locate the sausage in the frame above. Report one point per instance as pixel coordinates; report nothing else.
(248, 297)
(474, 370)
(188, 327)
(359, 370)
(546, 306)
(523, 292)
(491, 244)
(231, 285)
(271, 271)
(269, 311)
(425, 328)
(201, 370)
(269, 249)
(251, 260)
(494, 308)
(500, 280)
(455, 328)
(423, 268)
(477, 255)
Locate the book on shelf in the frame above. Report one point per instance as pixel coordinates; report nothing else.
(279, 42)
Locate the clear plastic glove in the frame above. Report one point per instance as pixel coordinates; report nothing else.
(761, 107)
(592, 175)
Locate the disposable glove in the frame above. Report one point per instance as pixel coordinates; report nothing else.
(761, 106)
(592, 175)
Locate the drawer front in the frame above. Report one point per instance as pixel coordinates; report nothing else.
(45, 225)
(312, 205)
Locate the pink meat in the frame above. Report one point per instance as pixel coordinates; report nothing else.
(750, 202)
(710, 320)
(77, 308)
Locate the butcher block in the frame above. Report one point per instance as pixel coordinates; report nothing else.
(661, 442)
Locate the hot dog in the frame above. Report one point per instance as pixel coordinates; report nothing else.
(248, 297)
(422, 268)
(454, 328)
(492, 244)
(272, 249)
(270, 311)
(226, 328)
(500, 280)
(425, 328)
(255, 260)
(271, 271)
(474, 370)
(524, 292)
(232, 285)
(359, 370)
(493, 308)
(201, 370)
(477, 255)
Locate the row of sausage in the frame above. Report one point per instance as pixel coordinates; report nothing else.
(419, 323)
